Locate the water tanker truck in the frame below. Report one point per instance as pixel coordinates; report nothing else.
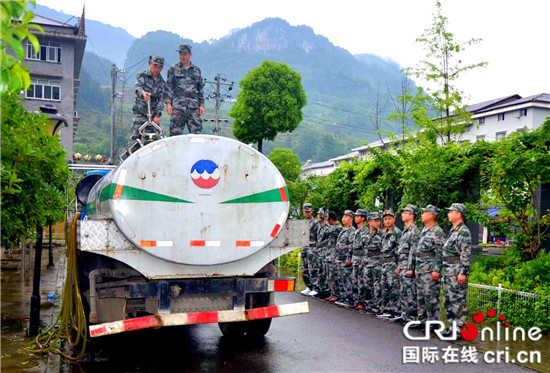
(185, 231)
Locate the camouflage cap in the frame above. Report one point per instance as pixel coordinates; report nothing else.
(308, 207)
(184, 48)
(388, 212)
(361, 212)
(157, 60)
(457, 207)
(322, 212)
(411, 208)
(349, 213)
(431, 208)
(374, 215)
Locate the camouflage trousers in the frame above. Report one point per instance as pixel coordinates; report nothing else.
(186, 113)
(373, 282)
(390, 287)
(333, 276)
(305, 266)
(346, 284)
(427, 295)
(357, 280)
(315, 263)
(407, 295)
(324, 274)
(454, 298)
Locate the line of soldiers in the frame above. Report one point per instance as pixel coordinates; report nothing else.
(182, 92)
(387, 272)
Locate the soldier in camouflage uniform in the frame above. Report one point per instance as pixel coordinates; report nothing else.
(332, 278)
(150, 86)
(316, 269)
(390, 281)
(306, 254)
(186, 86)
(455, 267)
(372, 284)
(407, 286)
(357, 258)
(344, 252)
(423, 260)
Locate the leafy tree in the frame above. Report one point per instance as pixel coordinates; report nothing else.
(270, 102)
(513, 175)
(16, 27)
(287, 163)
(33, 172)
(442, 67)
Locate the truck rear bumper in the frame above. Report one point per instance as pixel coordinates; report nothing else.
(190, 318)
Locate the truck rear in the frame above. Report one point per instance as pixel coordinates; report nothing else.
(185, 231)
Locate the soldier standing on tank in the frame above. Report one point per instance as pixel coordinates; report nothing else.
(344, 252)
(186, 86)
(357, 259)
(407, 286)
(150, 86)
(306, 254)
(373, 271)
(332, 278)
(423, 260)
(455, 267)
(390, 281)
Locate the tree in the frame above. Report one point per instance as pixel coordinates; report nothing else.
(520, 165)
(442, 67)
(16, 27)
(34, 173)
(270, 102)
(287, 163)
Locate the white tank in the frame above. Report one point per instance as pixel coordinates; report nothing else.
(194, 199)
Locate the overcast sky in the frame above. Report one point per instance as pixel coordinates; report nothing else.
(515, 33)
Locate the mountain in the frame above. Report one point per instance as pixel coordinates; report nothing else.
(105, 40)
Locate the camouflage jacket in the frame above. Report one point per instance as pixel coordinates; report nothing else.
(186, 83)
(313, 229)
(158, 90)
(323, 238)
(390, 242)
(344, 244)
(373, 250)
(457, 250)
(427, 253)
(409, 239)
(334, 233)
(360, 243)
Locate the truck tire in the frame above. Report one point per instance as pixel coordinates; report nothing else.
(234, 330)
(258, 328)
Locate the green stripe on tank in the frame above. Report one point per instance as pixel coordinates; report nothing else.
(272, 195)
(90, 208)
(131, 193)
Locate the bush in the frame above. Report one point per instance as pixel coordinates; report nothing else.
(291, 260)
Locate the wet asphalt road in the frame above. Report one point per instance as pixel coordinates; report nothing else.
(328, 339)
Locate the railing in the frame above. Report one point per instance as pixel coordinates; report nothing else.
(518, 307)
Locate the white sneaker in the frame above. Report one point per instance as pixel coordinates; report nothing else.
(383, 315)
(313, 293)
(306, 292)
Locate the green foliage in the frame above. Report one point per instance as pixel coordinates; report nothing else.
(34, 173)
(286, 162)
(16, 27)
(512, 176)
(270, 102)
(292, 260)
(441, 69)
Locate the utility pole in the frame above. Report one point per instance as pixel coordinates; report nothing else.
(114, 95)
(219, 97)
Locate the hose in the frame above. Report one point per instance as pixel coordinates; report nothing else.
(70, 324)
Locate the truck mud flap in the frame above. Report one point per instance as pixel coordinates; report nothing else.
(190, 318)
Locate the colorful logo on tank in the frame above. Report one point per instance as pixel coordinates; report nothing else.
(205, 174)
